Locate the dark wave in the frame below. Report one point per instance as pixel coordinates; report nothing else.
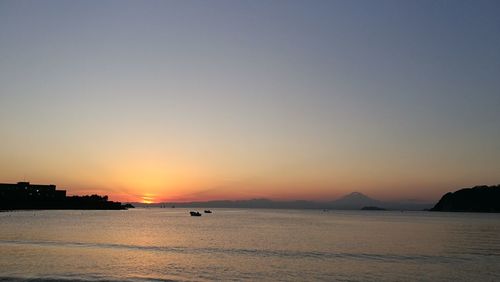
(317, 255)
(78, 279)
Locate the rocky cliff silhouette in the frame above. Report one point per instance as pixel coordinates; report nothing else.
(476, 199)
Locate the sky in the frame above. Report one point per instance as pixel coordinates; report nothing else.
(199, 100)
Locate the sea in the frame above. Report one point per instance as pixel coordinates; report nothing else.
(167, 244)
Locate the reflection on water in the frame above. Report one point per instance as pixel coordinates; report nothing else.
(168, 244)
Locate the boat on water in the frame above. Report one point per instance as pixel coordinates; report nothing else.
(207, 211)
(194, 213)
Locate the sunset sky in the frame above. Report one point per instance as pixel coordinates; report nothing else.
(199, 100)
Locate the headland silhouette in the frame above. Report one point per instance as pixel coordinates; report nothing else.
(475, 199)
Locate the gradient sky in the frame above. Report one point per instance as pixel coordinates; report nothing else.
(198, 100)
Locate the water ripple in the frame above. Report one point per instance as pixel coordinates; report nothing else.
(77, 279)
(258, 252)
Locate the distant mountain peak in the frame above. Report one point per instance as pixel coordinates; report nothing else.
(355, 200)
(356, 195)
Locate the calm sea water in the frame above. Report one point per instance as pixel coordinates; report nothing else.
(255, 245)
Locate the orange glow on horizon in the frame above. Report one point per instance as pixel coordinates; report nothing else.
(148, 199)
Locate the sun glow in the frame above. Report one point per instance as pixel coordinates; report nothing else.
(148, 199)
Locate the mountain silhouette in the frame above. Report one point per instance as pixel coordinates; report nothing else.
(356, 201)
(352, 201)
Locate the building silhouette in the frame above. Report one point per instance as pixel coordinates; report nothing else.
(24, 195)
(28, 191)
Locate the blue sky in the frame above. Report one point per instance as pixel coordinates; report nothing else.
(280, 99)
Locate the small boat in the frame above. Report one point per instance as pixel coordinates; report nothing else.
(194, 213)
(207, 211)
